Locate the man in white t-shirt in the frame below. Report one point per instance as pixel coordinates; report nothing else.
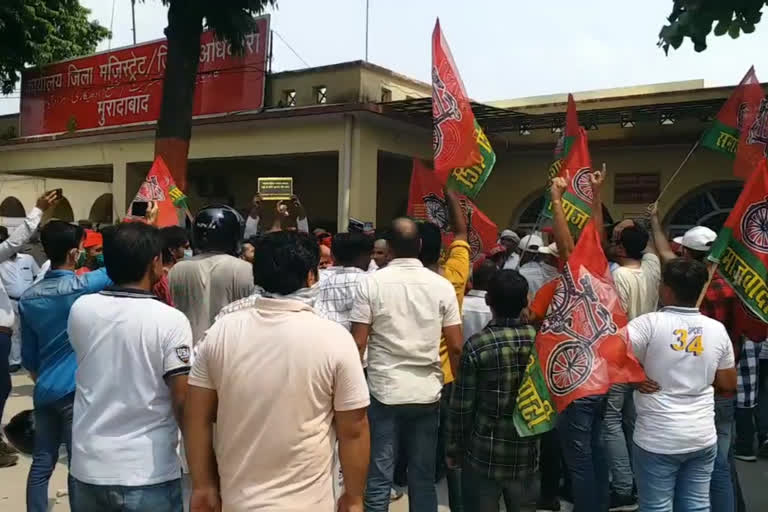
(281, 384)
(637, 281)
(475, 311)
(133, 354)
(686, 357)
(510, 241)
(399, 314)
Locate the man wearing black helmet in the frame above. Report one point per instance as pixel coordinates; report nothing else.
(214, 277)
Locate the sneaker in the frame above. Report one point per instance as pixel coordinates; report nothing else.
(395, 494)
(7, 460)
(548, 505)
(744, 455)
(763, 453)
(619, 502)
(7, 449)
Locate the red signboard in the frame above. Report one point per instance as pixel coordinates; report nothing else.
(125, 86)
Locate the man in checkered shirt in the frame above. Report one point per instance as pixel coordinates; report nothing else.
(482, 438)
(352, 254)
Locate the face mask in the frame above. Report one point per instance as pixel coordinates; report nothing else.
(99, 261)
(80, 259)
(188, 253)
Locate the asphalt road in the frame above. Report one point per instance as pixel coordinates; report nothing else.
(753, 476)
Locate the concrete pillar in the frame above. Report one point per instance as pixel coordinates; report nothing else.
(119, 199)
(362, 204)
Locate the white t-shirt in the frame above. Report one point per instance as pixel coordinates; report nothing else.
(475, 313)
(124, 431)
(681, 350)
(280, 373)
(202, 285)
(407, 306)
(638, 288)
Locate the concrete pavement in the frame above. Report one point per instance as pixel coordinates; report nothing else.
(753, 476)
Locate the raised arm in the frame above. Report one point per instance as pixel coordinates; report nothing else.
(23, 233)
(597, 179)
(563, 237)
(458, 220)
(658, 236)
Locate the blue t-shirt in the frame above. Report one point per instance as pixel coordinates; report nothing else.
(45, 348)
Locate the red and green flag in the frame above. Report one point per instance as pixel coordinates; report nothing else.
(160, 187)
(462, 153)
(582, 346)
(741, 248)
(426, 201)
(740, 128)
(576, 170)
(562, 148)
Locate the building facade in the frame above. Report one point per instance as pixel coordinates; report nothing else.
(347, 134)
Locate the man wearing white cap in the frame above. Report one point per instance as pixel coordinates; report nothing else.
(510, 240)
(719, 303)
(541, 266)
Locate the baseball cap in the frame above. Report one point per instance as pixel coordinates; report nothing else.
(508, 233)
(531, 243)
(550, 249)
(92, 239)
(699, 238)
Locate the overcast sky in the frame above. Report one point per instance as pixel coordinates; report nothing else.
(505, 50)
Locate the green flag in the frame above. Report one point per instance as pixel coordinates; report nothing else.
(535, 412)
(469, 180)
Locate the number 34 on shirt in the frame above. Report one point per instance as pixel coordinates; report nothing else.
(688, 340)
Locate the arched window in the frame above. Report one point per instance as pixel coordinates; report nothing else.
(101, 211)
(708, 205)
(529, 217)
(12, 207)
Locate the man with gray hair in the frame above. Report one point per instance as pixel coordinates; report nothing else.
(510, 240)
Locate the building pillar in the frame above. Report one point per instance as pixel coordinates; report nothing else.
(119, 180)
(363, 176)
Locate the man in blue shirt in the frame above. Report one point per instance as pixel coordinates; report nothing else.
(46, 351)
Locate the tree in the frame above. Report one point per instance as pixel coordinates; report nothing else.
(38, 32)
(694, 19)
(231, 20)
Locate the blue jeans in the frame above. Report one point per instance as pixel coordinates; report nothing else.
(721, 486)
(481, 494)
(164, 497)
(453, 476)
(5, 374)
(579, 426)
(618, 426)
(419, 423)
(53, 427)
(674, 482)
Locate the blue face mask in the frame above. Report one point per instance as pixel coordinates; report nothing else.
(188, 253)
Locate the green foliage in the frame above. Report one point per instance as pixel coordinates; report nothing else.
(694, 19)
(37, 32)
(231, 20)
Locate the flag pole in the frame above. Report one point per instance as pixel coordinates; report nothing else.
(680, 168)
(712, 270)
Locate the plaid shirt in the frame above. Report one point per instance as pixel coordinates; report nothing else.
(481, 430)
(719, 302)
(746, 396)
(337, 294)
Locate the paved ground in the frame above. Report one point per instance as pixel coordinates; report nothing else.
(754, 477)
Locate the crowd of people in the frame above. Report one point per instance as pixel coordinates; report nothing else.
(236, 367)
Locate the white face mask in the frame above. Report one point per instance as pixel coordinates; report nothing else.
(188, 253)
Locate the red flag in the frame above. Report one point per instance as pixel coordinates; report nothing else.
(427, 202)
(453, 135)
(753, 127)
(160, 187)
(582, 343)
